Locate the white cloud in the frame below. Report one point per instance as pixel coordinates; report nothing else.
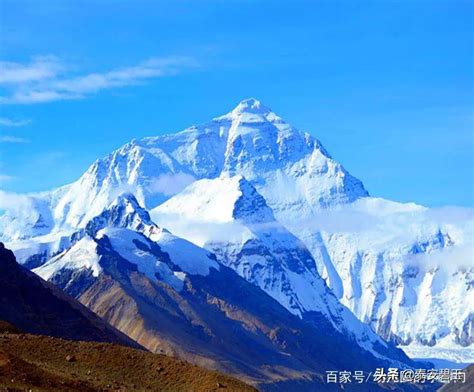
(198, 231)
(27, 97)
(171, 184)
(449, 259)
(13, 139)
(39, 68)
(46, 80)
(4, 177)
(121, 77)
(15, 202)
(8, 122)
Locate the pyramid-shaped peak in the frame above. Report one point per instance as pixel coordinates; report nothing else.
(250, 109)
(124, 212)
(251, 105)
(124, 199)
(219, 200)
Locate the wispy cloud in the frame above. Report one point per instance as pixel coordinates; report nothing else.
(16, 203)
(171, 184)
(45, 79)
(12, 139)
(8, 122)
(31, 96)
(4, 177)
(39, 68)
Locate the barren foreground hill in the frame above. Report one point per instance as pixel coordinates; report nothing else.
(42, 363)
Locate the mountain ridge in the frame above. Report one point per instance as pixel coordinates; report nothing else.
(208, 318)
(214, 148)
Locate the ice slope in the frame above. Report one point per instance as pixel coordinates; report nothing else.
(229, 217)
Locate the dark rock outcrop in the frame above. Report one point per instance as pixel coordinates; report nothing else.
(35, 306)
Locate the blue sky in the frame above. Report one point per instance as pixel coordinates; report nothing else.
(387, 86)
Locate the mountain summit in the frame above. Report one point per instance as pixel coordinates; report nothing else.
(250, 105)
(246, 108)
(290, 168)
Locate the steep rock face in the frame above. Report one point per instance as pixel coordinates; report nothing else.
(126, 212)
(35, 306)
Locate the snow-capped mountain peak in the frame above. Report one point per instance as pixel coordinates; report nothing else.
(288, 167)
(250, 105)
(222, 200)
(124, 212)
(249, 110)
(249, 167)
(127, 229)
(125, 222)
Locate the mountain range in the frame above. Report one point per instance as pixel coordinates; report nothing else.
(247, 201)
(174, 297)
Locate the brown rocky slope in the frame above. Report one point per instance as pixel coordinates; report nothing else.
(41, 363)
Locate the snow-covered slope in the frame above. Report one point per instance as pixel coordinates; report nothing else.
(406, 270)
(126, 224)
(124, 211)
(230, 218)
(364, 247)
(227, 216)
